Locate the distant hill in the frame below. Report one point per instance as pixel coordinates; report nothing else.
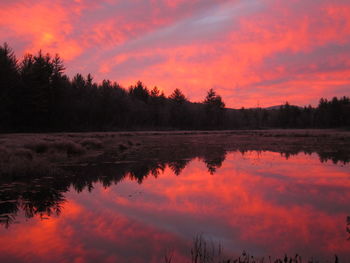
(276, 107)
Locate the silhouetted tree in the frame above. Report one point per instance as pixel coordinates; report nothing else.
(179, 117)
(178, 97)
(214, 109)
(36, 95)
(178, 166)
(140, 92)
(214, 100)
(9, 86)
(36, 73)
(158, 108)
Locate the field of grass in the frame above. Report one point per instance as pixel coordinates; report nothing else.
(28, 154)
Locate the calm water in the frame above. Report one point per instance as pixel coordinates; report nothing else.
(263, 203)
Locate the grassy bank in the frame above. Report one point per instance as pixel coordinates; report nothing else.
(35, 154)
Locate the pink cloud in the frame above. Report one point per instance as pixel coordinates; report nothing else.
(267, 51)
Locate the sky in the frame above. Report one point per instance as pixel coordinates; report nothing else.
(252, 52)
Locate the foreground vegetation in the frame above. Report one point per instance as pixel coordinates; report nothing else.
(23, 155)
(37, 170)
(206, 251)
(36, 95)
(27, 154)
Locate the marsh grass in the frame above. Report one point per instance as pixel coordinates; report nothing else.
(348, 226)
(122, 147)
(65, 146)
(204, 251)
(39, 155)
(91, 143)
(23, 163)
(26, 151)
(208, 251)
(169, 255)
(23, 154)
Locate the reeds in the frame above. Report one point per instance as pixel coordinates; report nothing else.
(207, 251)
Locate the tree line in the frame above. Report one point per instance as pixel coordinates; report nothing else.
(36, 95)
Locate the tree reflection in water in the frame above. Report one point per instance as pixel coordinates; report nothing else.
(45, 196)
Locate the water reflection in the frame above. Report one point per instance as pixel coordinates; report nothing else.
(45, 195)
(33, 198)
(348, 226)
(257, 201)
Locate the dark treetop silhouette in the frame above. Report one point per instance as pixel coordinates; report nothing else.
(36, 95)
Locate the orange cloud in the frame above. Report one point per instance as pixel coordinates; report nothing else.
(42, 25)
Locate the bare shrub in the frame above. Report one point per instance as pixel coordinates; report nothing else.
(91, 143)
(122, 147)
(66, 146)
(21, 166)
(69, 147)
(24, 153)
(38, 146)
(169, 255)
(204, 251)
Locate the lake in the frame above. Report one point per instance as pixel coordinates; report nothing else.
(264, 203)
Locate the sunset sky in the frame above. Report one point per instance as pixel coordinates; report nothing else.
(252, 52)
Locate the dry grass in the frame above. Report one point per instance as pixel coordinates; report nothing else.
(64, 146)
(31, 155)
(24, 163)
(27, 151)
(205, 251)
(91, 143)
